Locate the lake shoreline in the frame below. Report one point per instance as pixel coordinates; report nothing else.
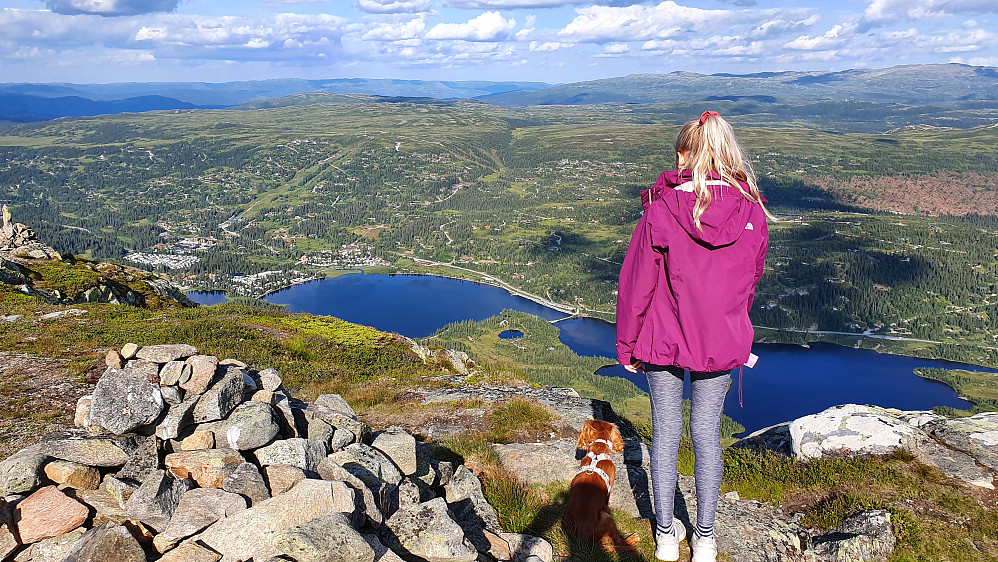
(884, 344)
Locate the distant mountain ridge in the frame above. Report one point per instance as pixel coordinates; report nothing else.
(912, 84)
(957, 84)
(24, 108)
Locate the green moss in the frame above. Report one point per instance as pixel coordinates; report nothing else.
(68, 279)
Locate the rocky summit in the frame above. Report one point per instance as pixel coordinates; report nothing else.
(179, 456)
(219, 462)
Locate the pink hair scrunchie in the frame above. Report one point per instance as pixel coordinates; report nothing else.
(706, 114)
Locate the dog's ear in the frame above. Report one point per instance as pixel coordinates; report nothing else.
(616, 439)
(586, 436)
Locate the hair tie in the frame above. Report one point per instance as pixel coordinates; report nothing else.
(706, 114)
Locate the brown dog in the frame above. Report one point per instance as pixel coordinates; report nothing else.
(586, 515)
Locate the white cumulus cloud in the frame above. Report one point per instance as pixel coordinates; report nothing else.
(393, 6)
(489, 26)
(888, 11)
(396, 31)
(511, 4)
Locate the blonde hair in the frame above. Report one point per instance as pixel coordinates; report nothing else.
(709, 146)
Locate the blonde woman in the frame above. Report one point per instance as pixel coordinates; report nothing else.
(686, 287)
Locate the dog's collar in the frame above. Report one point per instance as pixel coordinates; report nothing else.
(604, 441)
(599, 472)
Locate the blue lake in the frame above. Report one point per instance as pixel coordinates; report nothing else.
(788, 382)
(207, 297)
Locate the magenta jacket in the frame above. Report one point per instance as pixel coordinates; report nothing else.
(685, 294)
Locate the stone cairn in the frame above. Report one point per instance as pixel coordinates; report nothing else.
(18, 241)
(180, 457)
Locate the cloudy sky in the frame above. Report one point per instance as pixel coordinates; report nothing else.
(538, 40)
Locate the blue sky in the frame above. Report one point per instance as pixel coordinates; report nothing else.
(531, 40)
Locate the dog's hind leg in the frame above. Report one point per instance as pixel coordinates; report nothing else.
(609, 536)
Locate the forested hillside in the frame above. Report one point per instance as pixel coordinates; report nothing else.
(888, 233)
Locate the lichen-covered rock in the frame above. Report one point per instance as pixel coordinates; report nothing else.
(125, 400)
(173, 372)
(467, 501)
(250, 533)
(427, 532)
(119, 489)
(22, 472)
(368, 464)
(208, 467)
(399, 446)
(297, 452)
(373, 502)
(336, 403)
(339, 420)
(74, 475)
(270, 379)
(91, 451)
(154, 502)
(325, 539)
(850, 429)
(143, 460)
(198, 509)
(321, 432)
(250, 426)
(191, 552)
(54, 549)
(522, 547)
(248, 482)
(166, 353)
(103, 506)
(222, 398)
(867, 536)
(177, 418)
(106, 542)
(976, 435)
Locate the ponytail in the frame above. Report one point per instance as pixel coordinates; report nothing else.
(710, 147)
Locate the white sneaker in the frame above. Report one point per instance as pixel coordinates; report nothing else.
(704, 548)
(667, 546)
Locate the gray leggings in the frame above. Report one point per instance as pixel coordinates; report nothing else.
(665, 384)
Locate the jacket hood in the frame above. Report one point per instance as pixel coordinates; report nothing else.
(724, 220)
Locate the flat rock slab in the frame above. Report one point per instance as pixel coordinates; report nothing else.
(558, 461)
(250, 533)
(851, 429)
(976, 435)
(48, 513)
(54, 549)
(198, 509)
(427, 532)
(166, 353)
(92, 451)
(332, 537)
